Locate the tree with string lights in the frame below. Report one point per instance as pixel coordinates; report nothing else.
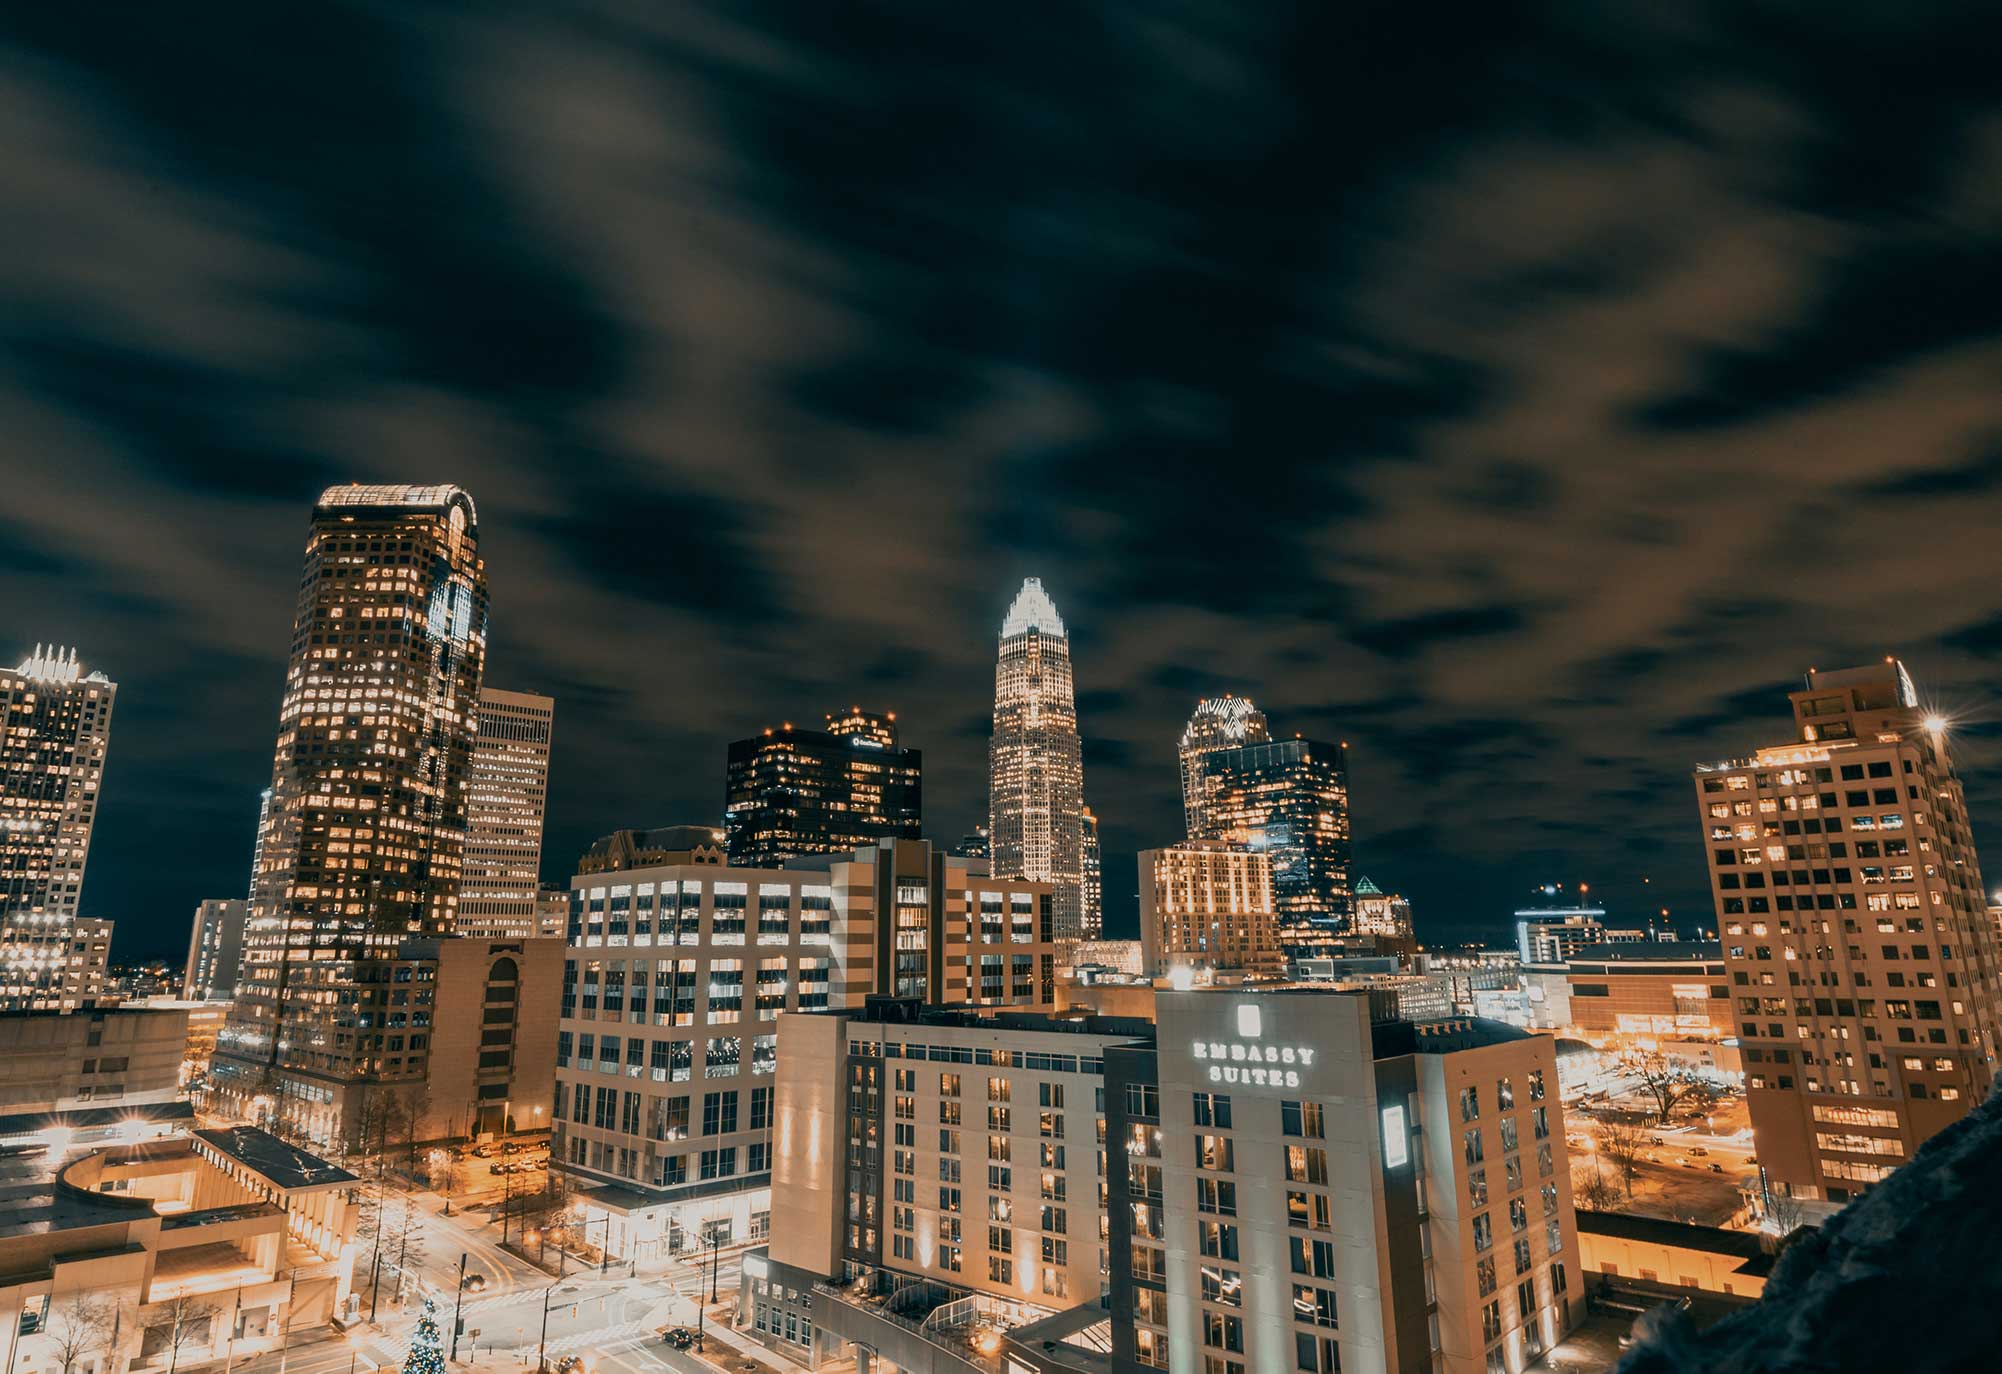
(427, 1353)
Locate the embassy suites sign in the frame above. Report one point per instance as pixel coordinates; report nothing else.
(1248, 1059)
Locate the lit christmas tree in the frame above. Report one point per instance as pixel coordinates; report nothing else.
(427, 1353)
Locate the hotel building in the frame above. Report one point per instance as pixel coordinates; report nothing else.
(1855, 930)
(215, 949)
(363, 842)
(676, 978)
(1208, 906)
(1311, 1183)
(1035, 762)
(55, 728)
(1277, 1180)
(504, 810)
(1288, 799)
(794, 792)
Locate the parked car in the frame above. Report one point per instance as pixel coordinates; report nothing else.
(680, 1337)
(1698, 1151)
(1715, 1167)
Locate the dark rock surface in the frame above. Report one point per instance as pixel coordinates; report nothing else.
(1906, 1281)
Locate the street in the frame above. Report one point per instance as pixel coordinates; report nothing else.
(610, 1316)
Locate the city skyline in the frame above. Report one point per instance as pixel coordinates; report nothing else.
(1475, 417)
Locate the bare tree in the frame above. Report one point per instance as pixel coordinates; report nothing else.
(1598, 1192)
(1623, 1142)
(1672, 1087)
(1784, 1216)
(79, 1325)
(185, 1324)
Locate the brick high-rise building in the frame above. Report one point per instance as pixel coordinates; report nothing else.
(55, 727)
(1208, 905)
(1862, 961)
(363, 844)
(504, 812)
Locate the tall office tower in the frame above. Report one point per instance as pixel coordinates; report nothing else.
(1855, 931)
(1225, 722)
(55, 726)
(366, 835)
(1094, 878)
(510, 784)
(793, 792)
(1035, 764)
(1289, 799)
(1208, 905)
(257, 842)
(215, 949)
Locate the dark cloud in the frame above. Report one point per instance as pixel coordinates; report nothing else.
(1528, 416)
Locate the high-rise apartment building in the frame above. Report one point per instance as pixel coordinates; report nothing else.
(1094, 878)
(55, 728)
(1035, 762)
(215, 949)
(677, 975)
(793, 791)
(1288, 799)
(505, 805)
(1269, 1180)
(1855, 930)
(363, 846)
(1225, 722)
(1207, 905)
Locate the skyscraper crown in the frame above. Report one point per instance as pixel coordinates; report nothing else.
(1033, 610)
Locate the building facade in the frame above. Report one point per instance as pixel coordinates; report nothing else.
(1550, 935)
(215, 949)
(1312, 1183)
(1290, 800)
(506, 801)
(1035, 762)
(792, 792)
(677, 976)
(55, 730)
(53, 1062)
(363, 844)
(1225, 722)
(1208, 906)
(1854, 922)
(1382, 914)
(1093, 927)
(1630, 992)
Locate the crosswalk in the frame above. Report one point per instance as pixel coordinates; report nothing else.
(599, 1339)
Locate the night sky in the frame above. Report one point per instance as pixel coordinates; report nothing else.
(1526, 396)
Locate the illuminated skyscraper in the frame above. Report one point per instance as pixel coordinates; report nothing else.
(1855, 928)
(55, 726)
(364, 841)
(1094, 879)
(510, 785)
(1289, 799)
(1035, 765)
(1224, 722)
(796, 792)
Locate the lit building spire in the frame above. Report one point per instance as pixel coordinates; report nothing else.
(1035, 761)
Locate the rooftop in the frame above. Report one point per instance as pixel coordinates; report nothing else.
(1747, 1246)
(284, 1166)
(358, 496)
(1032, 610)
(1650, 952)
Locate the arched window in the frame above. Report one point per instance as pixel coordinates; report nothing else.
(504, 971)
